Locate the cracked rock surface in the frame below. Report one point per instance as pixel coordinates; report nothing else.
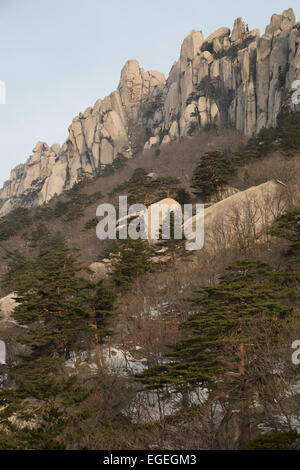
(237, 77)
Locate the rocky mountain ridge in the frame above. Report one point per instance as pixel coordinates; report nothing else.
(237, 78)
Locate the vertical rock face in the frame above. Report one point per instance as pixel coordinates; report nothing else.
(237, 78)
(96, 138)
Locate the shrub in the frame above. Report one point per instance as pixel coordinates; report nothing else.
(119, 162)
(279, 441)
(232, 52)
(91, 223)
(134, 258)
(107, 170)
(14, 223)
(139, 174)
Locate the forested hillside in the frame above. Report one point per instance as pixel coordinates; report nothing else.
(131, 345)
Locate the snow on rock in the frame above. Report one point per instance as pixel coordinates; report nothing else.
(121, 362)
(115, 359)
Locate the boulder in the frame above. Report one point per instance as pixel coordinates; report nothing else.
(246, 214)
(40, 147)
(7, 306)
(281, 22)
(151, 142)
(219, 34)
(100, 271)
(166, 140)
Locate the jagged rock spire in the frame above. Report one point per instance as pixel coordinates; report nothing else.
(239, 78)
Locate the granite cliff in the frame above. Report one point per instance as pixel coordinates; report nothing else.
(237, 78)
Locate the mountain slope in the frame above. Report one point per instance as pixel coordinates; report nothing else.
(236, 78)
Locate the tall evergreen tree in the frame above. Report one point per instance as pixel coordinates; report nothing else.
(288, 228)
(248, 294)
(212, 173)
(171, 236)
(132, 258)
(250, 300)
(58, 308)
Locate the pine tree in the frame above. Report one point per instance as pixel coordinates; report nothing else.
(169, 234)
(289, 131)
(103, 303)
(231, 316)
(133, 258)
(51, 292)
(58, 308)
(212, 173)
(183, 196)
(288, 228)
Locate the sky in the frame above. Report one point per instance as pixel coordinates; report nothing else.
(57, 57)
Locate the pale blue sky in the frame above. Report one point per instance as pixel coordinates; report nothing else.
(58, 57)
